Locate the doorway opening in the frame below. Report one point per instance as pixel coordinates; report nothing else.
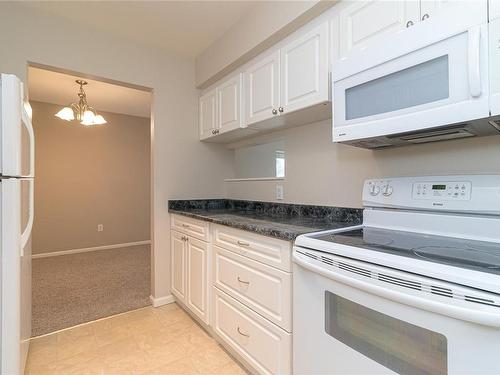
(91, 241)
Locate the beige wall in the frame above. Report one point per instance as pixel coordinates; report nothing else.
(87, 176)
(182, 166)
(265, 24)
(321, 172)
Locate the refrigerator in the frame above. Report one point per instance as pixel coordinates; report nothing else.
(16, 221)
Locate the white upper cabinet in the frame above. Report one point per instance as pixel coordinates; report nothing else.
(494, 10)
(460, 11)
(208, 114)
(304, 70)
(262, 89)
(362, 22)
(229, 104)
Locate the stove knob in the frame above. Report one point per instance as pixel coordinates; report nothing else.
(387, 190)
(374, 190)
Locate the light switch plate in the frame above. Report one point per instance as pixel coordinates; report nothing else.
(279, 192)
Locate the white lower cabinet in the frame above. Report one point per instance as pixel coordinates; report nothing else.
(197, 278)
(190, 272)
(263, 345)
(264, 289)
(252, 298)
(239, 284)
(178, 263)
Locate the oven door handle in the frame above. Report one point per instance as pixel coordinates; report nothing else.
(477, 316)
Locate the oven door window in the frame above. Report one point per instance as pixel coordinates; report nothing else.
(400, 346)
(420, 84)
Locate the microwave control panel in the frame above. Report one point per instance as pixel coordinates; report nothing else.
(442, 190)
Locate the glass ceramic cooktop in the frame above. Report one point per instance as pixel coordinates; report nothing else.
(474, 255)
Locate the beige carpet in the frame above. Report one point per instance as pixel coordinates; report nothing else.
(78, 288)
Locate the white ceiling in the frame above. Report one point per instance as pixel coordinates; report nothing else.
(185, 28)
(58, 88)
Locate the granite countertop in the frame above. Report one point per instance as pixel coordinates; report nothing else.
(279, 220)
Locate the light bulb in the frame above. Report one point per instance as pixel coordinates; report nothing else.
(88, 118)
(99, 120)
(66, 114)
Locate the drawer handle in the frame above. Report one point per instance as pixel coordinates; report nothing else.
(186, 225)
(241, 333)
(243, 243)
(243, 282)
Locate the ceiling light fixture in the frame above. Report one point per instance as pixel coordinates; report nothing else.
(81, 111)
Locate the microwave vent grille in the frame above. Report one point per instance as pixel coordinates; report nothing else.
(437, 135)
(495, 124)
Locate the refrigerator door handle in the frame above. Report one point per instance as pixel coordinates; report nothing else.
(26, 120)
(31, 215)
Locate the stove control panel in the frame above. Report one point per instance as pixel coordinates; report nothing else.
(453, 193)
(442, 190)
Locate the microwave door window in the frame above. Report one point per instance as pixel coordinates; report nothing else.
(420, 84)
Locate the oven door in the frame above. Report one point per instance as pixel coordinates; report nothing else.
(344, 323)
(433, 81)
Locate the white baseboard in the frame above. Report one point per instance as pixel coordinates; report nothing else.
(160, 301)
(87, 249)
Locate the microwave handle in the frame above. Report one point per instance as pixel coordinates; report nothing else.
(474, 61)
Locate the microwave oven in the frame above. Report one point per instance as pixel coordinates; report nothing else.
(436, 82)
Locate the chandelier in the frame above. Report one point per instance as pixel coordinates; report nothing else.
(81, 111)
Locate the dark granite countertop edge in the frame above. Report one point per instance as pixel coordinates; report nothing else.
(275, 233)
(336, 216)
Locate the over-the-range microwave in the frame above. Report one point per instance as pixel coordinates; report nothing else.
(427, 83)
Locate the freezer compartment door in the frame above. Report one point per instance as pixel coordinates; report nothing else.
(16, 130)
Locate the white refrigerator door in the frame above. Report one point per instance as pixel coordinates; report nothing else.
(16, 221)
(16, 131)
(27, 215)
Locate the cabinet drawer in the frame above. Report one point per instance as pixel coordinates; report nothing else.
(263, 345)
(267, 250)
(264, 289)
(191, 227)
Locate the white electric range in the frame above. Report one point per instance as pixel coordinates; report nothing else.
(415, 289)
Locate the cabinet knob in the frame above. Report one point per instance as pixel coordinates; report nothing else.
(425, 16)
(274, 111)
(280, 109)
(213, 131)
(409, 23)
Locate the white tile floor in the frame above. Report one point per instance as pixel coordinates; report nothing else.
(161, 340)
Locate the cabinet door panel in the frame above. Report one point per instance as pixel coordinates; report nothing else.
(229, 104)
(365, 21)
(208, 114)
(197, 264)
(469, 12)
(304, 70)
(262, 83)
(178, 265)
(265, 346)
(494, 11)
